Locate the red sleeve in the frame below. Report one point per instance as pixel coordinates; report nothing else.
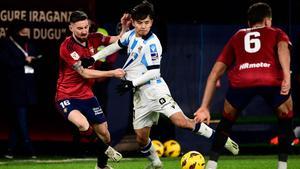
(282, 36)
(227, 54)
(99, 39)
(69, 55)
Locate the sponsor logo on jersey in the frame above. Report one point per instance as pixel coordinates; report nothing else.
(75, 55)
(254, 65)
(162, 100)
(153, 52)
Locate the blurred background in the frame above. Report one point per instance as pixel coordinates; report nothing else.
(192, 34)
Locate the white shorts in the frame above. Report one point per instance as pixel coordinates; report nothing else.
(151, 100)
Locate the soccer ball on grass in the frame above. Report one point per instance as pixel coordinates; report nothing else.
(159, 147)
(192, 160)
(172, 148)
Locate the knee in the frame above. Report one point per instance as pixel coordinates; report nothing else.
(83, 126)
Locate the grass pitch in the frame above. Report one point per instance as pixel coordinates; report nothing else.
(225, 162)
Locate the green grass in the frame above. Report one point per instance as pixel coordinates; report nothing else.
(225, 162)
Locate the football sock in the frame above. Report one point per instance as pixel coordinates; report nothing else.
(89, 134)
(220, 138)
(282, 165)
(285, 137)
(149, 152)
(102, 158)
(203, 129)
(211, 164)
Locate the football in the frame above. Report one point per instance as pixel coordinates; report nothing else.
(172, 148)
(159, 147)
(192, 160)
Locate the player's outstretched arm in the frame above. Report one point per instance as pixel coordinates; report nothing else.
(102, 54)
(127, 85)
(203, 114)
(125, 23)
(284, 59)
(93, 74)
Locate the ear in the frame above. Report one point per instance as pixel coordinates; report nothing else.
(268, 22)
(70, 27)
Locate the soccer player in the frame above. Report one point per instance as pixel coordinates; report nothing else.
(74, 96)
(257, 60)
(151, 93)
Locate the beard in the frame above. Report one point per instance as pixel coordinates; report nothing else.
(82, 38)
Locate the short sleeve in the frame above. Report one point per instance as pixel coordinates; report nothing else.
(152, 53)
(227, 54)
(68, 55)
(124, 40)
(282, 36)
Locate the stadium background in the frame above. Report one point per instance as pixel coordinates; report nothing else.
(192, 34)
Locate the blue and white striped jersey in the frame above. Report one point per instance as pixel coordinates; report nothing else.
(143, 53)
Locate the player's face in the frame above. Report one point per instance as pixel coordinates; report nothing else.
(142, 27)
(80, 29)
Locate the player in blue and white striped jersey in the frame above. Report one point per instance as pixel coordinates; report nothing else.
(151, 93)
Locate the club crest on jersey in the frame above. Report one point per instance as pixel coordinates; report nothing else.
(75, 55)
(140, 49)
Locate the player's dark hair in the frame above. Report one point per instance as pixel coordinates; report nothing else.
(142, 10)
(258, 11)
(78, 16)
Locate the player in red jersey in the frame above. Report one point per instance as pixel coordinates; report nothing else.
(257, 60)
(74, 96)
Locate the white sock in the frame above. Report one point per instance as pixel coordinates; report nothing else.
(282, 165)
(150, 153)
(205, 130)
(211, 164)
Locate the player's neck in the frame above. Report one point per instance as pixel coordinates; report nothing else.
(258, 26)
(83, 43)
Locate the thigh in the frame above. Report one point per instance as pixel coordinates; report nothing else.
(93, 111)
(239, 98)
(144, 117)
(79, 120)
(273, 97)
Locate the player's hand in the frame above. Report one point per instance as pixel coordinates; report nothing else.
(202, 115)
(124, 86)
(118, 73)
(126, 21)
(285, 87)
(87, 62)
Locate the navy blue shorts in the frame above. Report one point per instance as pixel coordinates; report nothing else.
(90, 108)
(239, 98)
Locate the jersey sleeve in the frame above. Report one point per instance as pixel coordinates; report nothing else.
(68, 55)
(152, 54)
(98, 39)
(282, 36)
(227, 54)
(124, 40)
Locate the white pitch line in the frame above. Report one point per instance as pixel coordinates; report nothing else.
(57, 161)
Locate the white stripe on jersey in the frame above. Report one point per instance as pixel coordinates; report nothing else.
(141, 53)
